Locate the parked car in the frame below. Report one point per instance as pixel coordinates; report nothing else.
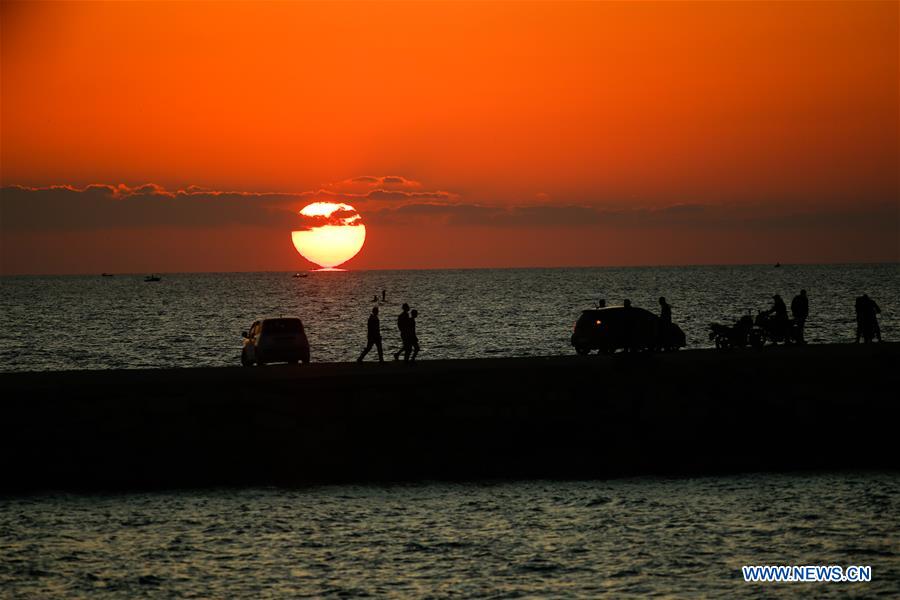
(275, 340)
(616, 327)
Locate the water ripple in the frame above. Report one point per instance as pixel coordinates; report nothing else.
(643, 536)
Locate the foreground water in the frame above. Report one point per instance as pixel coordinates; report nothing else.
(93, 322)
(550, 539)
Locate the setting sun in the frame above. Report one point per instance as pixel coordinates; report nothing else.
(334, 234)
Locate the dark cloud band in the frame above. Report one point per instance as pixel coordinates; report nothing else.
(96, 207)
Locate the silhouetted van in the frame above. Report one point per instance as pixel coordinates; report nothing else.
(275, 340)
(616, 327)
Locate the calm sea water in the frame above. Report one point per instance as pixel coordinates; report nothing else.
(632, 537)
(93, 322)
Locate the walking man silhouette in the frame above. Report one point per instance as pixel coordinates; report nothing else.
(373, 335)
(403, 326)
(412, 338)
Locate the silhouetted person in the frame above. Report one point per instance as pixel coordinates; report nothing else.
(403, 326)
(373, 336)
(383, 295)
(665, 311)
(665, 315)
(412, 338)
(601, 303)
(375, 298)
(779, 311)
(800, 311)
(867, 311)
(779, 308)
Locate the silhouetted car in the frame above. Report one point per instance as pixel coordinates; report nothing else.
(609, 329)
(275, 340)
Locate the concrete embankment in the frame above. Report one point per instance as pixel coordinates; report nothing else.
(690, 412)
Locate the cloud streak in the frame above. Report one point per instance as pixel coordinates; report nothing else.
(67, 208)
(100, 206)
(97, 206)
(877, 216)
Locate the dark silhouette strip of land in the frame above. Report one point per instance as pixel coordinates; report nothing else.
(691, 412)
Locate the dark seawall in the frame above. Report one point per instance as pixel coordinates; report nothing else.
(690, 412)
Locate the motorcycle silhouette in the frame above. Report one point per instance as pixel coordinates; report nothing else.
(775, 330)
(743, 333)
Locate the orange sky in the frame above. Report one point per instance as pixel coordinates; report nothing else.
(750, 112)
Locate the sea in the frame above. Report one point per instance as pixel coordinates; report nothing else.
(623, 538)
(630, 537)
(196, 319)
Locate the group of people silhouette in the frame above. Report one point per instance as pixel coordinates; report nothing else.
(409, 341)
(867, 328)
(781, 323)
(867, 311)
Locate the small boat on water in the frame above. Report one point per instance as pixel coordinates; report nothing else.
(152, 278)
(299, 275)
(106, 274)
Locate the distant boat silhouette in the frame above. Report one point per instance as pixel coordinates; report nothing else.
(106, 274)
(152, 278)
(778, 264)
(297, 275)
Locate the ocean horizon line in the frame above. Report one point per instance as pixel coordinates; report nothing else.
(506, 268)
